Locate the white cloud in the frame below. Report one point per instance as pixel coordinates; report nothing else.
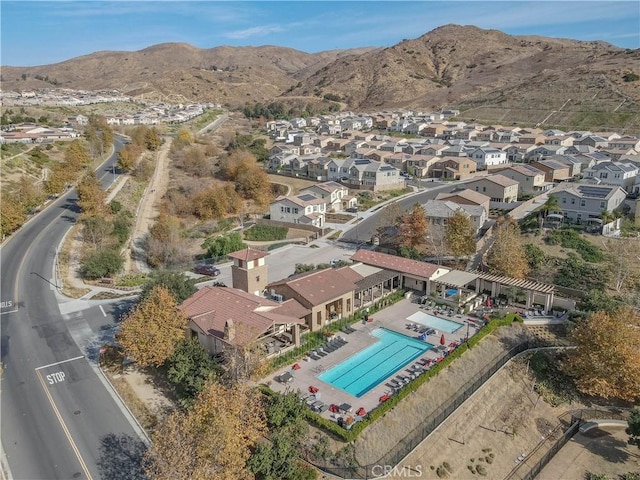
(260, 31)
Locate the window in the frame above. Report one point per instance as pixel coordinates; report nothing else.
(484, 189)
(564, 199)
(583, 203)
(319, 318)
(603, 204)
(257, 278)
(573, 201)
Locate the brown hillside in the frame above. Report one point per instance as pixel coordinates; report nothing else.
(490, 76)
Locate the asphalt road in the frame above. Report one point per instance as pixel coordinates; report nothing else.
(58, 419)
(363, 230)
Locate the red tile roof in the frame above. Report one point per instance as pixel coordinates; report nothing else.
(210, 308)
(248, 254)
(392, 262)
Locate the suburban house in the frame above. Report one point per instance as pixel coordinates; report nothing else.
(614, 173)
(574, 164)
(498, 187)
(465, 196)
(304, 208)
(538, 153)
(335, 195)
(553, 171)
(453, 167)
(439, 211)
(420, 165)
(486, 157)
(371, 175)
(530, 179)
(318, 168)
(625, 143)
(581, 203)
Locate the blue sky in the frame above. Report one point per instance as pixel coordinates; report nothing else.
(38, 33)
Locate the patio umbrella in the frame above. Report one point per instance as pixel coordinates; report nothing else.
(296, 367)
(488, 302)
(313, 389)
(361, 412)
(442, 340)
(384, 398)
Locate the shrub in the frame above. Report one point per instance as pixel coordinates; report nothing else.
(102, 264)
(572, 239)
(442, 472)
(631, 77)
(482, 470)
(266, 233)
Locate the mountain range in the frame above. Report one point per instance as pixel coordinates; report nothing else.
(487, 74)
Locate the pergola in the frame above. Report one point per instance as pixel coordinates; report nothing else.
(459, 279)
(376, 283)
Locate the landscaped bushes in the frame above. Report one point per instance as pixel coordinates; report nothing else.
(266, 233)
(572, 239)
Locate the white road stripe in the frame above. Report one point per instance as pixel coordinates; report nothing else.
(58, 363)
(12, 311)
(102, 310)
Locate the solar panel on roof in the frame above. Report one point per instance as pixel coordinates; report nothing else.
(362, 161)
(307, 197)
(594, 192)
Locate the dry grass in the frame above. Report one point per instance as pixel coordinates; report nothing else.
(66, 262)
(138, 408)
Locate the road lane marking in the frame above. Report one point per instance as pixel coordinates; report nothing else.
(58, 363)
(103, 312)
(64, 427)
(12, 311)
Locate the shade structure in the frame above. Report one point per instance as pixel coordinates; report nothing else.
(313, 389)
(442, 340)
(296, 366)
(361, 412)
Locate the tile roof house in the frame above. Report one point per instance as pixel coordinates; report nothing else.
(614, 173)
(498, 187)
(580, 203)
(553, 171)
(453, 167)
(335, 195)
(465, 196)
(303, 208)
(223, 317)
(416, 275)
(530, 179)
(328, 294)
(439, 211)
(488, 156)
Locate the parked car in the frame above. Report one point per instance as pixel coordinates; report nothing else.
(352, 210)
(204, 269)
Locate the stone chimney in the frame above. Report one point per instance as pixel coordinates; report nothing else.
(229, 331)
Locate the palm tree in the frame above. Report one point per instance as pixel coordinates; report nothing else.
(551, 205)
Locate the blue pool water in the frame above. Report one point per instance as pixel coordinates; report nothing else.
(451, 292)
(361, 372)
(441, 324)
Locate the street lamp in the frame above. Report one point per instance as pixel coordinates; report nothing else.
(467, 340)
(113, 170)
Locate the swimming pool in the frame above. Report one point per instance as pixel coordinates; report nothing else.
(361, 372)
(441, 324)
(451, 292)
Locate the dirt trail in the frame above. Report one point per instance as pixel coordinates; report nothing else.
(148, 210)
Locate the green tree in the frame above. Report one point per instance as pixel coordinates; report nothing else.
(535, 256)
(598, 301)
(279, 459)
(103, 263)
(551, 205)
(12, 216)
(152, 139)
(177, 284)
(507, 256)
(150, 333)
(605, 361)
(223, 244)
(459, 234)
(189, 368)
(634, 427)
(76, 156)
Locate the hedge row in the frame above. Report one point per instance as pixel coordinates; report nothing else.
(332, 427)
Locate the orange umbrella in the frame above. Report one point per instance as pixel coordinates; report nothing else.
(442, 340)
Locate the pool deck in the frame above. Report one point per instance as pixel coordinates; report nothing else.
(393, 318)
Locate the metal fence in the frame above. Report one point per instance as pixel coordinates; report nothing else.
(395, 455)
